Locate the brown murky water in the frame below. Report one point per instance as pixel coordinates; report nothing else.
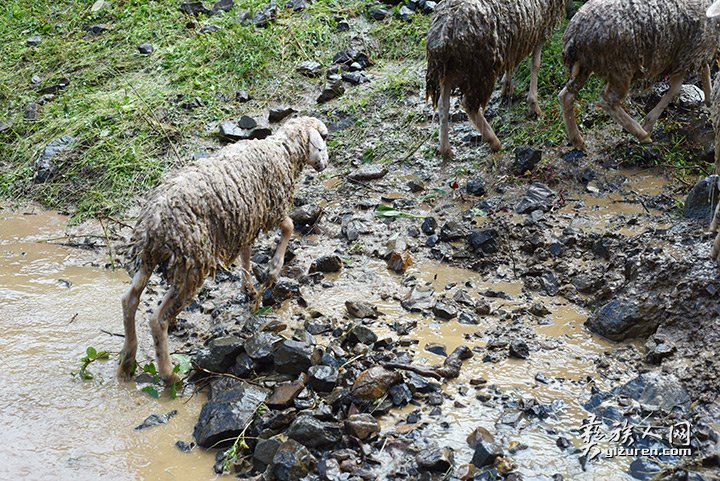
(53, 425)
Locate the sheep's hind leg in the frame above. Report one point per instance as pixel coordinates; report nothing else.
(130, 302)
(276, 264)
(444, 115)
(507, 86)
(532, 96)
(675, 86)
(161, 319)
(567, 102)
(488, 134)
(248, 287)
(612, 97)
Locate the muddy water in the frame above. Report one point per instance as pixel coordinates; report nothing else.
(52, 425)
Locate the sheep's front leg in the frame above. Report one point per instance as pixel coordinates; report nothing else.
(675, 86)
(488, 134)
(276, 264)
(248, 287)
(567, 102)
(130, 302)
(161, 319)
(532, 93)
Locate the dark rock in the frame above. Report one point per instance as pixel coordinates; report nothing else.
(231, 131)
(346, 58)
(362, 426)
(306, 216)
(526, 159)
(276, 115)
(379, 13)
(445, 309)
(247, 123)
(435, 459)
(484, 240)
(486, 450)
(405, 14)
(418, 299)
(292, 357)
(313, 433)
(655, 390)
(219, 354)
(243, 366)
(195, 8)
(33, 41)
(549, 282)
(284, 394)
(223, 6)
(262, 18)
(225, 417)
(415, 186)
(369, 172)
(242, 96)
(519, 349)
(342, 26)
(432, 240)
(451, 231)
(361, 309)
(155, 420)
(292, 461)
(620, 319)
(374, 383)
(96, 29)
(538, 309)
(476, 186)
(146, 48)
(45, 166)
(284, 289)
(438, 349)
(563, 443)
(297, 5)
(361, 334)
(702, 199)
(660, 352)
(323, 378)
(644, 469)
(261, 346)
(400, 394)
(309, 68)
(32, 111)
(355, 78)
(264, 452)
(331, 263)
(538, 197)
(468, 318)
(429, 225)
(184, 446)
(331, 91)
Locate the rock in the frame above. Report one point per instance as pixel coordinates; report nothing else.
(292, 461)
(538, 197)
(331, 91)
(702, 199)
(655, 390)
(242, 96)
(323, 378)
(284, 394)
(306, 216)
(146, 48)
(261, 346)
(247, 123)
(96, 29)
(374, 383)
(405, 14)
(432, 240)
(231, 131)
(227, 414)
(184, 446)
(284, 289)
(219, 354)
(361, 334)
(400, 394)
(644, 469)
(330, 263)
(549, 282)
(262, 18)
(438, 349)
(445, 309)
(355, 78)
(620, 319)
(223, 6)
(476, 186)
(451, 231)
(526, 159)
(32, 111)
(309, 68)
(539, 310)
(369, 172)
(195, 8)
(265, 451)
(419, 299)
(429, 225)
(277, 114)
(45, 166)
(690, 96)
(313, 433)
(660, 352)
(415, 186)
(292, 357)
(243, 366)
(33, 41)
(486, 449)
(342, 26)
(519, 349)
(362, 426)
(347, 58)
(155, 420)
(361, 309)
(484, 240)
(399, 262)
(435, 459)
(379, 13)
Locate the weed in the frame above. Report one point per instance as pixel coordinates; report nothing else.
(91, 355)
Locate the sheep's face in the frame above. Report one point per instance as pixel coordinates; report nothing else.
(317, 148)
(714, 10)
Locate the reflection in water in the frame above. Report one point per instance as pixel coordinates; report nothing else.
(55, 426)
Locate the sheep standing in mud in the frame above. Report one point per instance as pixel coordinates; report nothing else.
(626, 40)
(470, 43)
(209, 214)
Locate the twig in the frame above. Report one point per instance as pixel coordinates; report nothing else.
(119, 222)
(416, 369)
(109, 246)
(72, 319)
(109, 333)
(416, 148)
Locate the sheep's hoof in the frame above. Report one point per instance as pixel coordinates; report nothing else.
(646, 140)
(579, 143)
(495, 145)
(127, 367)
(447, 154)
(171, 379)
(534, 111)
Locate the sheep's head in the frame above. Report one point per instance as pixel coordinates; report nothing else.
(317, 148)
(714, 10)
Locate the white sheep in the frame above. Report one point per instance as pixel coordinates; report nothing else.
(471, 43)
(209, 214)
(626, 40)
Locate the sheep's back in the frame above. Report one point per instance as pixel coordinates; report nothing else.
(209, 211)
(631, 39)
(471, 42)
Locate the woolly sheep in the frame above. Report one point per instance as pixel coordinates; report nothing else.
(470, 43)
(626, 40)
(209, 214)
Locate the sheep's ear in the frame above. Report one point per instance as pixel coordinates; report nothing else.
(714, 9)
(317, 150)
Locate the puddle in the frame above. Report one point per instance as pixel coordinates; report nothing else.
(52, 423)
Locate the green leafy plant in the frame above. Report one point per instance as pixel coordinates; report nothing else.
(181, 366)
(91, 355)
(232, 455)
